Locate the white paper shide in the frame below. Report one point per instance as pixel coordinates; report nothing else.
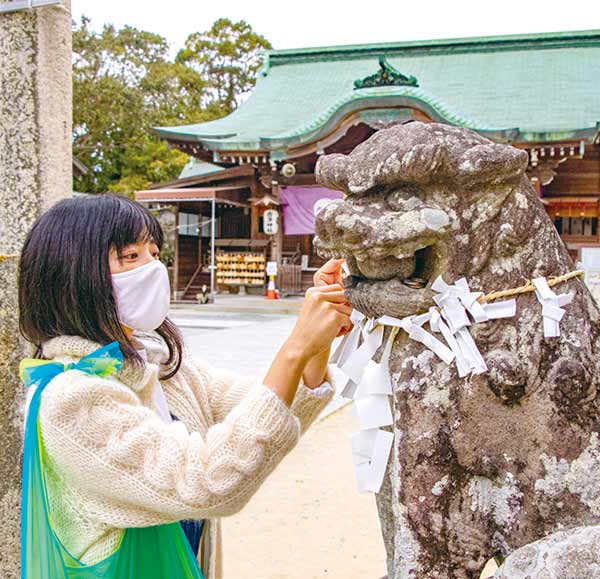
(369, 382)
(369, 385)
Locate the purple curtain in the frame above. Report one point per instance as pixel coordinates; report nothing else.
(298, 207)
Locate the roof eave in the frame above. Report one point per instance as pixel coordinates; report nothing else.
(227, 173)
(279, 146)
(348, 105)
(589, 134)
(182, 134)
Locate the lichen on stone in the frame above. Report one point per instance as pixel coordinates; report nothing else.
(581, 476)
(538, 403)
(502, 500)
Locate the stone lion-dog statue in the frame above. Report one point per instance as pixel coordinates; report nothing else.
(486, 464)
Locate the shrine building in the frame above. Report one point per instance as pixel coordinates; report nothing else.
(253, 170)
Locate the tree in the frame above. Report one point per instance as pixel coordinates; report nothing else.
(123, 85)
(228, 58)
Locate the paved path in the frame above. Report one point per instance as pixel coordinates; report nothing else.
(246, 343)
(307, 521)
(245, 304)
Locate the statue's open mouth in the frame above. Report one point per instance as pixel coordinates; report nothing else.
(393, 258)
(413, 272)
(394, 286)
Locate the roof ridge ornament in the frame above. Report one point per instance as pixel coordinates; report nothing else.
(387, 75)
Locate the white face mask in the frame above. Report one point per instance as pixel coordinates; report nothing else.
(143, 296)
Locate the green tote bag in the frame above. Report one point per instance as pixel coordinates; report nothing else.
(160, 552)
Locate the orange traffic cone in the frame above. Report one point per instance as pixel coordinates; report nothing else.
(271, 291)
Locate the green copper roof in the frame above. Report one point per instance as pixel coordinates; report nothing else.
(196, 168)
(536, 87)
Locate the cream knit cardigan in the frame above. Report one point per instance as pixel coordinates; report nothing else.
(112, 463)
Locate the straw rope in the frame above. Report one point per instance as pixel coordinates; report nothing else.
(529, 287)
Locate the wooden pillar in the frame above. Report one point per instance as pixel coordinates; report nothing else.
(307, 246)
(176, 255)
(277, 239)
(200, 216)
(254, 221)
(213, 232)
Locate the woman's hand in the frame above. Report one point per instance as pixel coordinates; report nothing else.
(315, 372)
(330, 273)
(324, 313)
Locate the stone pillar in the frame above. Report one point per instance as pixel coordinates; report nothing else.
(35, 172)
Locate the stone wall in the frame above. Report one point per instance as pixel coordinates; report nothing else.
(35, 172)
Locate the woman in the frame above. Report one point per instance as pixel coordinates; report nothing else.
(129, 449)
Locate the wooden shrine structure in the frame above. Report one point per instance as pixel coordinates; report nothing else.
(538, 92)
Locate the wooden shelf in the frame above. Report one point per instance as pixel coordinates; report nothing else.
(237, 268)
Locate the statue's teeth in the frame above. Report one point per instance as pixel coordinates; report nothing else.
(415, 282)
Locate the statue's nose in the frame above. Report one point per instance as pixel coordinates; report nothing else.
(342, 226)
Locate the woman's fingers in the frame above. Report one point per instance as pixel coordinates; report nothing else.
(343, 309)
(338, 297)
(332, 266)
(330, 293)
(326, 279)
(332, 287)
(329, 273)
(343, 322)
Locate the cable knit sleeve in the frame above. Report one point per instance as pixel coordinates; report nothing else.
(310, 402)
(141, 471)
(228, 389)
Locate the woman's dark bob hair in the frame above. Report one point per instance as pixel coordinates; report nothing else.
(65, 285)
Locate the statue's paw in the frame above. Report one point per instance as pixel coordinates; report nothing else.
(571, 383)
(507, 376)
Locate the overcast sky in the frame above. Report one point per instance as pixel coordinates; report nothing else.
(328, 22)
